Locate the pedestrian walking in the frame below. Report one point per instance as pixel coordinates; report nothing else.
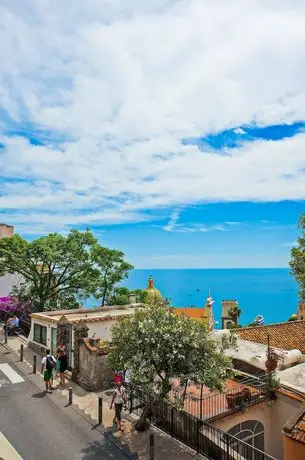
(48, 363)
(63, 365)
(127, 377)
(59, 349)
(118, 399)
(118, 377)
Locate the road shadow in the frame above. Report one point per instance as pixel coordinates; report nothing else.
(39, 395)
(105, 450)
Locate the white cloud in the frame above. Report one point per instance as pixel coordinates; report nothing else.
(290, 244)
(239, 131)
(123, 82)
(172, 223)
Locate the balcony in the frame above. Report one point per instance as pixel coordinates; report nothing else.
(238, 395)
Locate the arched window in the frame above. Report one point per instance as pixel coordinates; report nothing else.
(251, 432)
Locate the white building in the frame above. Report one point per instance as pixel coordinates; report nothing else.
(43, 333)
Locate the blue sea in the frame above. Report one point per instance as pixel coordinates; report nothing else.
(268, 292)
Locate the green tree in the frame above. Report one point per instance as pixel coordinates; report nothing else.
(235, 312)
(120, 295)
(112, 268)
(141, 296)
(57, 270)
(297, 262)
(234, 326)
(157, 345)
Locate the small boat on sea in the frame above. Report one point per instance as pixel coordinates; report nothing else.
(259, 320)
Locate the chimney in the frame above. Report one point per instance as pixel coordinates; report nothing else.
(6, 231)
(132, 299)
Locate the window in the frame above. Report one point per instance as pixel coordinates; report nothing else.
(251, 432)
(40, 334)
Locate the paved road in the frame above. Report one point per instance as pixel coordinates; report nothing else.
(40, 430)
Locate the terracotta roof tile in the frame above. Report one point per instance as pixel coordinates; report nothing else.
(295, 426)
(195, 313)
(288, 336)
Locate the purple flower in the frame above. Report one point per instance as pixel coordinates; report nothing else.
(13, 306)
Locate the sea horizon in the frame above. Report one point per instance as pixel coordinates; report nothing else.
(270, 292)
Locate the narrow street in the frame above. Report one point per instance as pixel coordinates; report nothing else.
(37, 429)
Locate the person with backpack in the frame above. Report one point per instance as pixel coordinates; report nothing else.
(48, 363)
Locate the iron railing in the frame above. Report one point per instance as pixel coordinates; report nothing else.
(248, 391)
(197, 434)
(25, 326)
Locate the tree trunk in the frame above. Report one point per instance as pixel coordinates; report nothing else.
(142, 424)
(105, 291)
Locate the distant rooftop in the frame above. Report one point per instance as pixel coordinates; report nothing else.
(255, 354)
(6, 230)
(294, 377)
(287, 336)
(87, 314)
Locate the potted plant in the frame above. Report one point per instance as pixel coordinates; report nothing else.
(272, 385)
(239, 398)
(272, 360)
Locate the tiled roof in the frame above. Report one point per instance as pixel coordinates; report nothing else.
(288, 336)
(195, 313)
(295, 426)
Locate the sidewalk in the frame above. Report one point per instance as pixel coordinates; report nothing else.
(134, 442)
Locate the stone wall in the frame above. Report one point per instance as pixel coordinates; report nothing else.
(94, 372)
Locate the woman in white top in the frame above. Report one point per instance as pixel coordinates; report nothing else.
(118, 398)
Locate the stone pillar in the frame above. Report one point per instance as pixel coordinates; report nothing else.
(63, 332)
(64, 337)
(132, 299)
(80, 332)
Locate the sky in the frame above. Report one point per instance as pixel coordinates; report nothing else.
(175, 129)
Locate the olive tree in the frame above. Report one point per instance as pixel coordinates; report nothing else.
(157, 345)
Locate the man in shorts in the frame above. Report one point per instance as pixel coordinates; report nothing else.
(48, 363)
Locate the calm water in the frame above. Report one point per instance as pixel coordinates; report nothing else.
(268, 292)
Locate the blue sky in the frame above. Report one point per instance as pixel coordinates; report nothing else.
(235, 235)
(157, 126)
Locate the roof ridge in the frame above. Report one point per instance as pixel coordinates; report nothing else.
(272, 325)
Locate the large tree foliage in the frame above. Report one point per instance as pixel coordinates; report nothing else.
(57, 270)
(297, 262)
(157, 345)
(120, 295)
(112, 268)
(60, 271)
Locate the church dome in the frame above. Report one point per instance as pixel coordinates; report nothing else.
(152, 293)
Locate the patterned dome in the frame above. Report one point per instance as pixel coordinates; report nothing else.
(152, 293)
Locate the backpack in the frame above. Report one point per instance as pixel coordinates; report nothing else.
(49, 363)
